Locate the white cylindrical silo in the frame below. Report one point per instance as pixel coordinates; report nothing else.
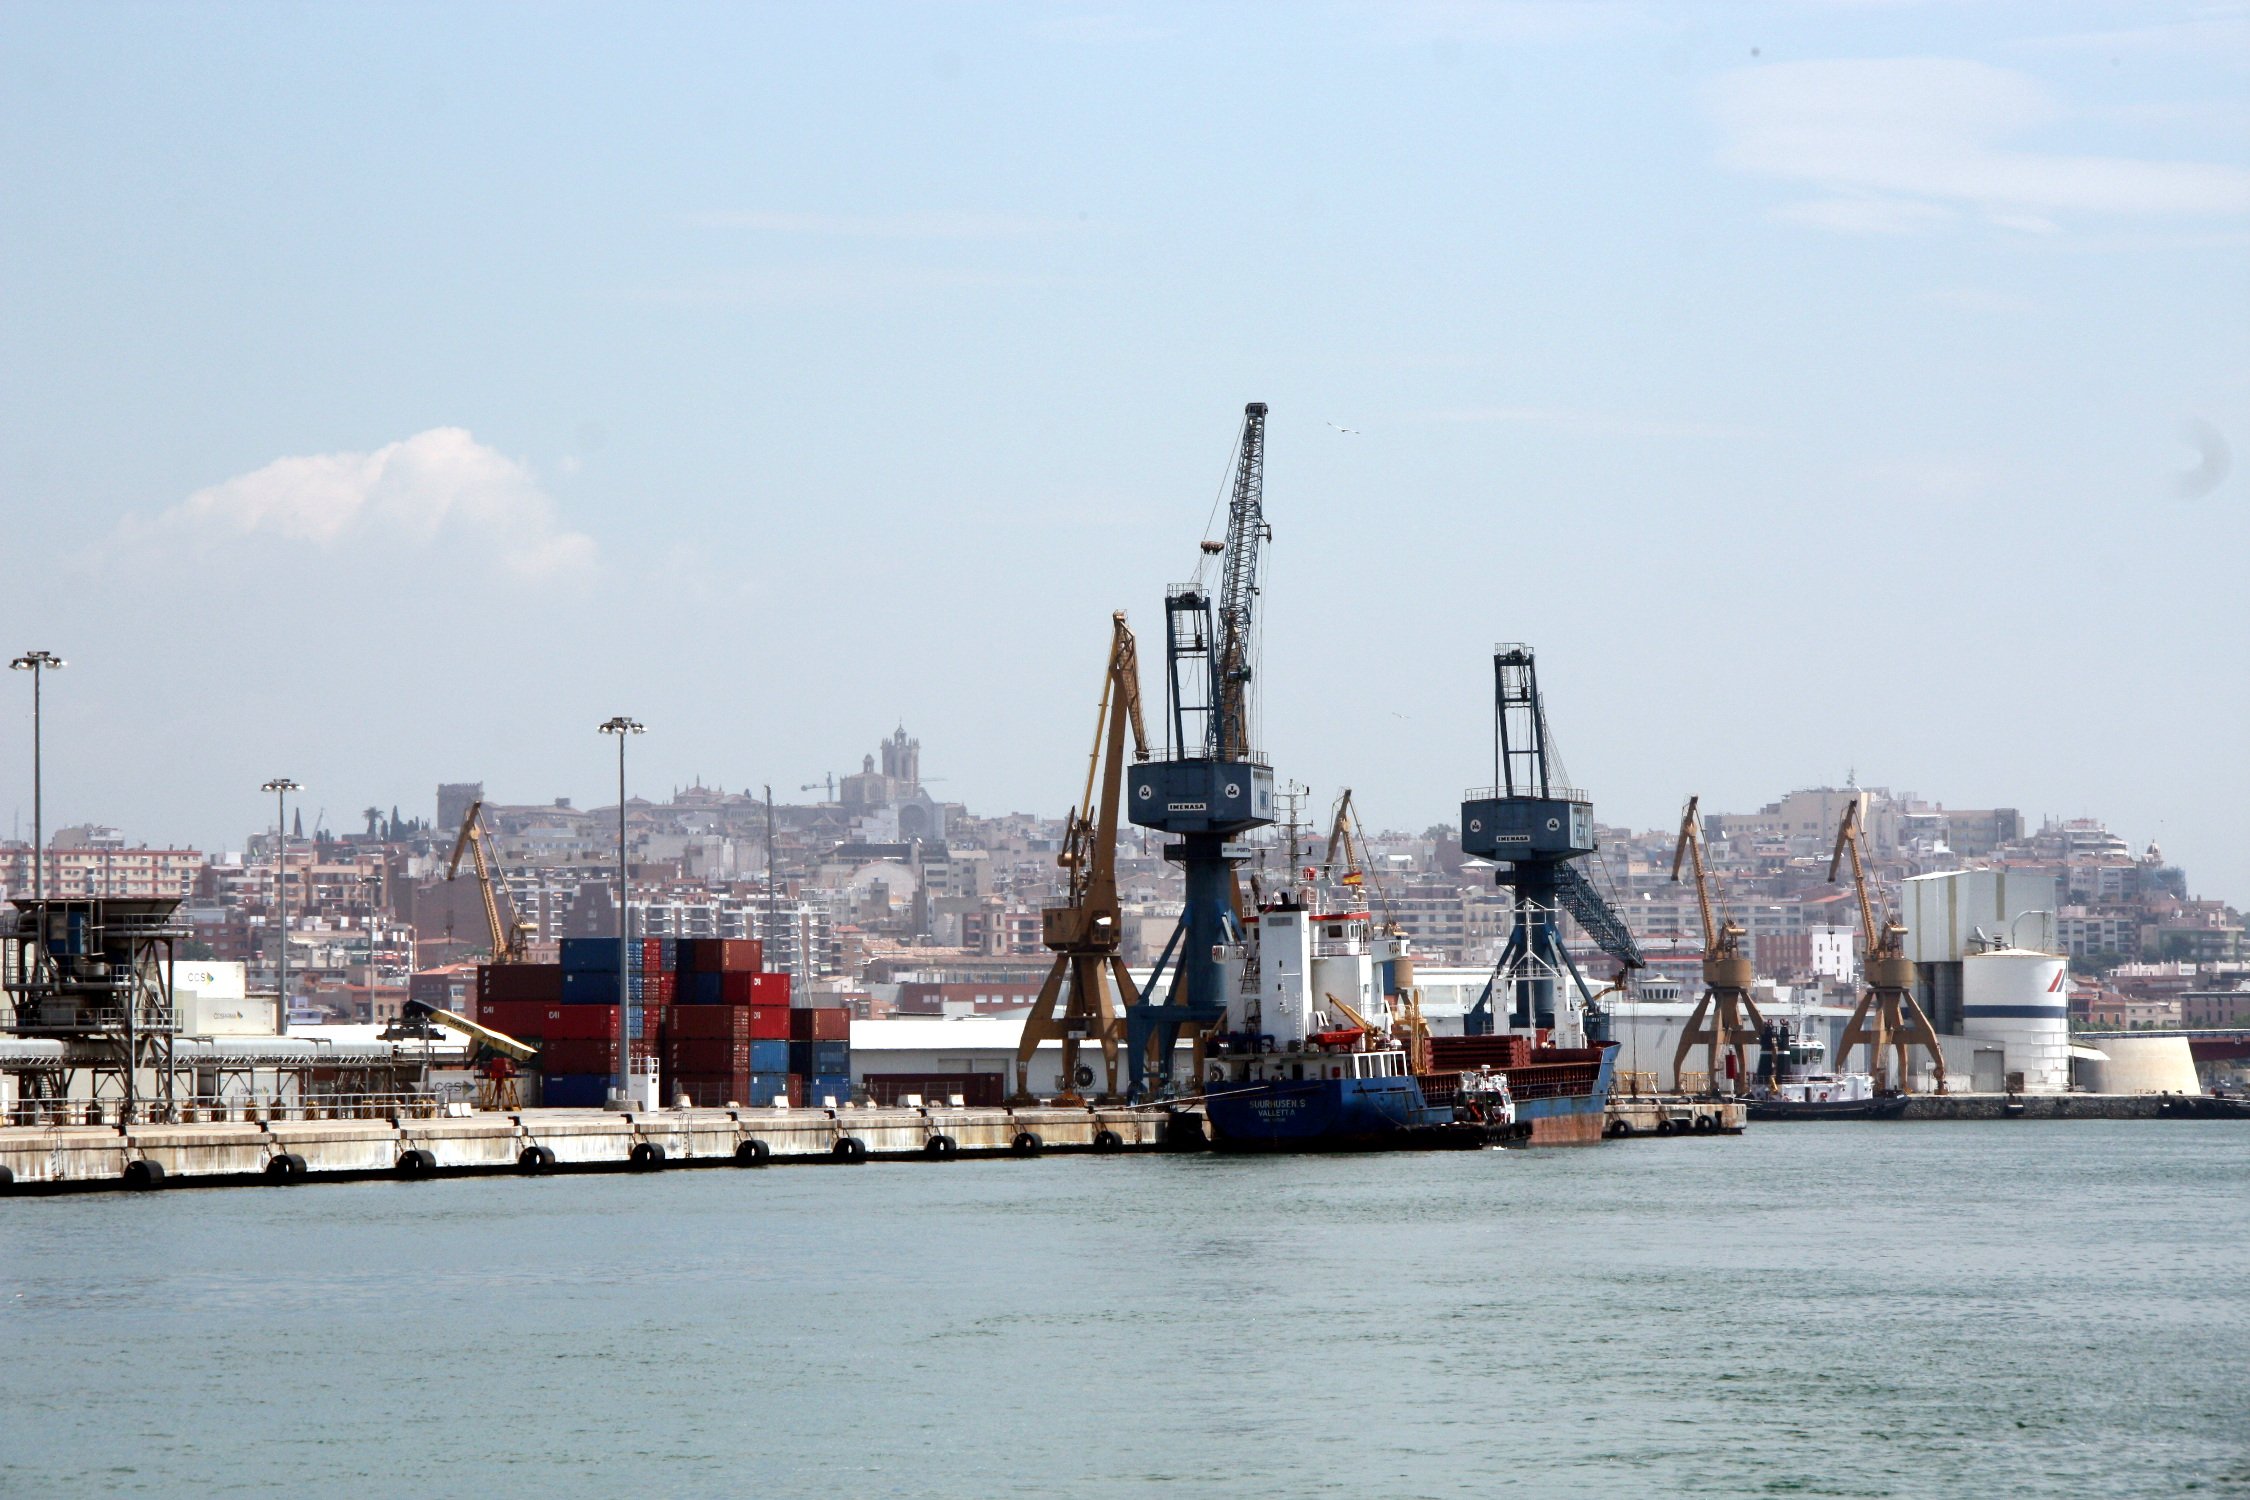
(2146, 1065)
(2020, 1000)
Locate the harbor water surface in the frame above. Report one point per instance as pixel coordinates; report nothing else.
(1942, 1309)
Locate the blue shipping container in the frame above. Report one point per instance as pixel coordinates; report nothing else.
(596, 956)
(820, 1059)
(700, 989)
(574, 1090)
(769, 1055)
(818, 1089)
(596, 989)
(766, 1087)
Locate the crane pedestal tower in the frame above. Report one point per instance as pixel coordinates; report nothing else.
(1533, 826)
(1212, 786)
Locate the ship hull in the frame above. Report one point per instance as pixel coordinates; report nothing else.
(1571, 1116)
(1337, 1114)
(1557, 1104)
(1771, 1110)
(1561, 1097)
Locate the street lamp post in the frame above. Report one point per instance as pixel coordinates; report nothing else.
(373, 885)
(281, 787)
(623, 727)
(38, 664)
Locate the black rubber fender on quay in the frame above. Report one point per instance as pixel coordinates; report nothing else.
(647, 1156)
(286, 1166)
(1107, 1140)
(752, 1154)
(941, 1148)
(534, 1160)
(415, 1162)
(143, 1174)
(1026, 1143)
(849, 1148)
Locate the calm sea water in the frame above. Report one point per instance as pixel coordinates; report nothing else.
(1998, 1309)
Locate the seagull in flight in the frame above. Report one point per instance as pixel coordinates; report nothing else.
(1348, 431)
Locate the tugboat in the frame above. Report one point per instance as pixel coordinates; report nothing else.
(1794, 1083)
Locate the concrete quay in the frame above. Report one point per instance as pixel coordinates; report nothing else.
(2043, 1107)
(281, 1152)
(1673, 1114)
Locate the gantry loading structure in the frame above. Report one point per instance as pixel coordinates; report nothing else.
(89, 986)
(1086, 931)
(1534, 826)
(1887, 1019)
(1213, 784)
(1725, 1020)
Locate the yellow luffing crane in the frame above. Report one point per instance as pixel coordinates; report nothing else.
(1887, 1018)
(1725, 1020)
(511, 939)
(1086, 933)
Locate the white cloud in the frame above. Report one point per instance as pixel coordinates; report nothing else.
(435, 486)
(1899, 139)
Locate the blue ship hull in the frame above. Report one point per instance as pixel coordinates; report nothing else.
(1334, 1114)
(1391, 1114)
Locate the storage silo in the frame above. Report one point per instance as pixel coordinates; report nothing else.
(2020, 1000)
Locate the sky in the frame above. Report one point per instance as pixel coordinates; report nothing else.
(392, 393)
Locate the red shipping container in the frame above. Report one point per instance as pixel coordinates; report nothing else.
(659, 989)
(709, 1021)
(520, 982)
(767, 1022)
(708, 1054)
(582, 1021)
(585, 1055)
(578, 1055)
(737, 988)
(771, 989)
(820, 1023)
(526, 1020)
(729, 955)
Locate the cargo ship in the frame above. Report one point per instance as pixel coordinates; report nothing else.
(1324, 1049)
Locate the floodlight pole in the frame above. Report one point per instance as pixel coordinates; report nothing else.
(622, 727)
(37, 663)
(281, 787)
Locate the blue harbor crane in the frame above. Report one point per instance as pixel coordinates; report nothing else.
(1213, 784)
(1535, 827)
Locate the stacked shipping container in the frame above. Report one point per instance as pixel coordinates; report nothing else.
(722, 1028)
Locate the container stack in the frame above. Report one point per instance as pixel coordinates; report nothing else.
(720, 1042)
(569, 1010)
(820, 1053)
(722, 1027)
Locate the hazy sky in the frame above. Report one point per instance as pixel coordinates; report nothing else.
(393, 393)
